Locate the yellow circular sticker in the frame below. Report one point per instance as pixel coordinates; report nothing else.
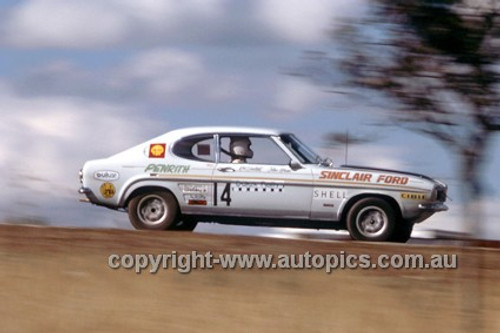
(108, 190)
(157, 150)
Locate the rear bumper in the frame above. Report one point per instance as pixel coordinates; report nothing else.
(90, 196)
(433, 207)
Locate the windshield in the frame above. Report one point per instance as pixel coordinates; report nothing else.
(303, 153)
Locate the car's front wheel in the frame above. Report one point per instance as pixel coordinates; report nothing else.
(156, 210)
(371, 219)
(402, 232)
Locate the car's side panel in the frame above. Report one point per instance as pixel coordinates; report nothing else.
(334, 188)
(190, 184)
(262, 191)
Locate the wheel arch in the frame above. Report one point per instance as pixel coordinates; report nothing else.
(389, 199)
(148, 189)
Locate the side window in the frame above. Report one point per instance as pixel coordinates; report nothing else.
(251, 150)
(200, 148)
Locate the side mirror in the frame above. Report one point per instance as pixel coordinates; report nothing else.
(295, 165)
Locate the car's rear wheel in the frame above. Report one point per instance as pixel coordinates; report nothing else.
(371, 219)
(156, 210)
(185, 225)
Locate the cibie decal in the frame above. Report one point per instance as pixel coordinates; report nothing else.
(107, 190)
(167, 168)
(157, 150)
(413, 196)
(106, 175)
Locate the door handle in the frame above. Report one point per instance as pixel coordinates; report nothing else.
(226, 169)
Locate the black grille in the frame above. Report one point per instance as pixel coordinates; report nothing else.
(441, 194)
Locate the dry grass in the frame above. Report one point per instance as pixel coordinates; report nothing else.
(57, 280)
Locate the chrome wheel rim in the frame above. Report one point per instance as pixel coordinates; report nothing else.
(152, 209)
(372, 221)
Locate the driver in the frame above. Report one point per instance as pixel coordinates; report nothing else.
(240, 149)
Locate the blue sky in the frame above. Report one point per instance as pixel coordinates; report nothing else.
(81, 80)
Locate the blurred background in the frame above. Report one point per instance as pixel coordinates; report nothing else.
(415, 85)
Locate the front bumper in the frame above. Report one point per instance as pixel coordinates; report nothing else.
(433, 207)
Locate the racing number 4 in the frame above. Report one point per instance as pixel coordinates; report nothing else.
(225, 196)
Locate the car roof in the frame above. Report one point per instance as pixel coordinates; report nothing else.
(183, 132)
(178, 134)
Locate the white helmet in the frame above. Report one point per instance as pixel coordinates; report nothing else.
(240, 147)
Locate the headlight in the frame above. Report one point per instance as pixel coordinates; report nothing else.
(440, 193)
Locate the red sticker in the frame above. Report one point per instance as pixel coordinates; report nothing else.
(157, 150)
(197, 202)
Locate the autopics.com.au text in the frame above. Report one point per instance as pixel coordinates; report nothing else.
(186, 262)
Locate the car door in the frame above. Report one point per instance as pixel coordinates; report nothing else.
(194, 189)
(264, 185)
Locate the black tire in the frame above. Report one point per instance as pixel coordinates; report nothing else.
(402, 232)
(185, 225)
(371, 219)
(156, 210)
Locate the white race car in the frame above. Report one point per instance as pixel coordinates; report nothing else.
(252, 176)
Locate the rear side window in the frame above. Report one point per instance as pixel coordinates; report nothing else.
(197, 148)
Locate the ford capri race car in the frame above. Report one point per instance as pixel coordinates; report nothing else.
(256, 177)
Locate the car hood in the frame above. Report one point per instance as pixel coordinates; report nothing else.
(363, 168)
